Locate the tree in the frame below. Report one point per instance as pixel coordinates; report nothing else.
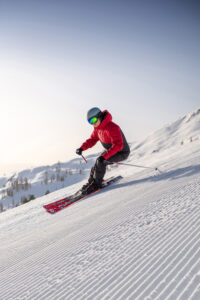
(62, 178)
(53, 178)
(24, 200)
(10, 192)
(21, 180)
(57, 177)
(3, 194)
(46, 179)
(31, 197)
(58, 167)
(16, 184)
(81, 171)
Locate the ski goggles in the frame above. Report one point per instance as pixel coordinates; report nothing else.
(93, 120)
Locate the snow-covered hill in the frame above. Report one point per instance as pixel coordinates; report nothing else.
(137, 239)
(183, 131)
(38, 181)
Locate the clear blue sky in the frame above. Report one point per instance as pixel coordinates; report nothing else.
(138, 59)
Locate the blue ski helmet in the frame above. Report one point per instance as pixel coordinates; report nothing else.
(94, 112)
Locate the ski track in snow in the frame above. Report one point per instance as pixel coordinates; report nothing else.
(151, 252)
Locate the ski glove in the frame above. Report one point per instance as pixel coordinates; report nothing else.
(79, 151)
(101, 159)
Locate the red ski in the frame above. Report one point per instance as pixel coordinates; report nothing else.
(56, 206)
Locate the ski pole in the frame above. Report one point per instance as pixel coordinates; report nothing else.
(125, 164)
(84, 158)
(137, 166)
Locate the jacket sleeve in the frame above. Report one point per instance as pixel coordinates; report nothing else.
(117, 142)
(89, 143)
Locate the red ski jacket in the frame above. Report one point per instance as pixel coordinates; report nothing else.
(110, 135)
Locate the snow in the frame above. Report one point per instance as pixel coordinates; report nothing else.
(137, 239)
(42, 179)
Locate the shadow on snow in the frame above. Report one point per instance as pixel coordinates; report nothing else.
(170, 175)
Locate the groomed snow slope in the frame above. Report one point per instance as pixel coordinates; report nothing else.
(138, 239)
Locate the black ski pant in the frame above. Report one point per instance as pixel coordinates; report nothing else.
(99, 169)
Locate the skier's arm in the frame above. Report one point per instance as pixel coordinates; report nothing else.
(117, 143)
(89, 143)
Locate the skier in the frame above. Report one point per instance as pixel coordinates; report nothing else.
(112, 139)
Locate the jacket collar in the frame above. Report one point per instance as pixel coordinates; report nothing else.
(106, 120)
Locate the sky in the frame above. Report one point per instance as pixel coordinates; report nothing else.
(140, 60)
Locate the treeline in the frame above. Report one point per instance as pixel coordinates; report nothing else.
(59, 175)
(16, 185)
